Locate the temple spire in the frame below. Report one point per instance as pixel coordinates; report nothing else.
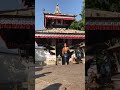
(57, 10)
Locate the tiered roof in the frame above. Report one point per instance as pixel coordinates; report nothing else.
(60, 33)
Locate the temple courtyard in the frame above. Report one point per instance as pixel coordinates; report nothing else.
(60, 77)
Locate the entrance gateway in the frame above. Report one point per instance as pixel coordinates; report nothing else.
(56, 33)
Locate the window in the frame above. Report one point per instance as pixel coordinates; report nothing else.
(59, 22)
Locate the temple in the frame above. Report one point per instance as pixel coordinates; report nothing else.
(57, 19)
(56, 33)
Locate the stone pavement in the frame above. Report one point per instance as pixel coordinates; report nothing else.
(61, 77)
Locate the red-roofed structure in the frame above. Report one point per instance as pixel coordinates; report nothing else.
(57, 32)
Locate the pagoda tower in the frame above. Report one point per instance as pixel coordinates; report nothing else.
(57, 19)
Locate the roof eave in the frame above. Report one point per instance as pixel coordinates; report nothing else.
(45, 13)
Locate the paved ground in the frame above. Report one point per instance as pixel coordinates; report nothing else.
(61, 77)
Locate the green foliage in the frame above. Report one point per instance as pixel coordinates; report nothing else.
(80, 25)
(74, 25)
(82, 21)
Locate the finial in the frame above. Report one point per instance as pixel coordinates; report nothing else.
(57, 10)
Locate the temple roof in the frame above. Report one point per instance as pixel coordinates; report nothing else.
(69, 15)
(18, 12)
(60, 31)
(99, 13)
(58, 13)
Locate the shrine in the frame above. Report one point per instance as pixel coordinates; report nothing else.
(56, 33)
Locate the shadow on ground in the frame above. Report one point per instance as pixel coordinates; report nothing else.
(55, 86)
(41, 75)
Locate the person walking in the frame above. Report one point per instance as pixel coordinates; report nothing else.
(65, 54)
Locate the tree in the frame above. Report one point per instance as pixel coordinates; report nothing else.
(82, 21)
(80, 25)
(74, 25)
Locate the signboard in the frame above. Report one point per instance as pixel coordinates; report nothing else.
(16, 23)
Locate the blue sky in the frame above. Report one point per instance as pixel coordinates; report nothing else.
(66, 7)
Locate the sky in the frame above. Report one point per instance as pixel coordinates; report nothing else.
(66, 7)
